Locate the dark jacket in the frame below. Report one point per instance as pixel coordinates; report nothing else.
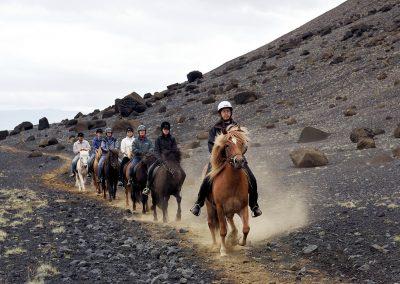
(108, 143)
(217, 129)
(141, 146)
(96, 143)
(165, 143)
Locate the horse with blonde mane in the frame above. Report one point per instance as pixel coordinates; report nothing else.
(229, 195)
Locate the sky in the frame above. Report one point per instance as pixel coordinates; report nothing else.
(80, 55)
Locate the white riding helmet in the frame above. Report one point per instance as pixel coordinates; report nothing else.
(224, 104)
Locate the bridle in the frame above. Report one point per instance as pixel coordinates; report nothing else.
(232, 159)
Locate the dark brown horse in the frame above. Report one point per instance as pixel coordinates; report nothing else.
(111, 174)
(229, 195)
(168, 180)
(138, 182)
(95, 171)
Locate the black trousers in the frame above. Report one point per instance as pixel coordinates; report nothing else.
(124, 161)
(206, 187)
(150, 172)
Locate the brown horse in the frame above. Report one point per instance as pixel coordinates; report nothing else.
(168, 180)
(138, 182)
(110, 174)
(229, 195)
(95, 170)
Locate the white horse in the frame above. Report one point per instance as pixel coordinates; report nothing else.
(82, 170)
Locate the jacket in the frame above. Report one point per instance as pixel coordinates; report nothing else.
(126, 146)
(165, 143)
(142, 146)
(218, 128)
(108, 144)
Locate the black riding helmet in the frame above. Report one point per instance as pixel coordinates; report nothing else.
(80, 134)
(129, 129)
(165, 125)
(99, 130)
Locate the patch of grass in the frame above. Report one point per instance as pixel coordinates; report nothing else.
(42, 272)
(348, 204)
(3, 235)
(15, 251)
(397, 238)
(58, 230)
(392, 206)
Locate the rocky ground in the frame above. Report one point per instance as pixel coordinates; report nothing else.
(335, 222)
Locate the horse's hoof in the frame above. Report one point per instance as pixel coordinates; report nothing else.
(223, 254)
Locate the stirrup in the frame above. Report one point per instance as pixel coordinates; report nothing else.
(256, 211)
(146, 191)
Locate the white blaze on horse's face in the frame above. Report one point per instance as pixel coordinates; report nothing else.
(234, 140)
(84, 157)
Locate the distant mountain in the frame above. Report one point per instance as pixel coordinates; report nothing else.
(10, 118)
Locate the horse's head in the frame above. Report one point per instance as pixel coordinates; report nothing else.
(113, 158)
(148, 159)
(234, 149)
(84, 158)
(171, 155)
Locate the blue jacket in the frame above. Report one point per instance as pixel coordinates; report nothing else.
(141, 146)
(96, 143)
(108, 144)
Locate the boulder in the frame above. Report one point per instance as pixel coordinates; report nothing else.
(35, 154)
(15, 132)
(270, 125)
(194, 75)
(208, 100)
(203, 135)
(26, 125)
(308, 157)
(396, 132)
(30, 138)
(173, 87)
(108, 113)
(48, 142)
(290, 121)
(396, 152)
(233, 84)
(4, 134)
(122, 124)
(97, 124)
(130, 103)
(60, 147)
(180, 119)
(358, 133)
(162, 109)
(78, 115)
(350, 112)
(147, 96)
(311, 134)
(43, 123)
(192, 145)
(366, 143)
(191, 87)
(71, 122)
(245, 97)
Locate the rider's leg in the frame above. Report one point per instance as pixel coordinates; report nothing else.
(90, 164)
(253, 193)
(150, 172)
(124, 161)
(205, 188)
(134, 162)
(73, 165)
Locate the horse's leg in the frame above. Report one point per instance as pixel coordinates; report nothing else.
(104, 188)
(154, 206)
(212, 219)
(165, 209)
(110, 190)
(77, 181)
(144, 203)
(133, 197)
(244, 215)
(222, 228)
(179, 211)
(82, 183)
(233, 235)
(127, 192)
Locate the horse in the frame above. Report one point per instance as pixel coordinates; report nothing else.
(230, 187)
(138, 182)
(81, 170)
(168, 180)
(95, 171)
(111, 174)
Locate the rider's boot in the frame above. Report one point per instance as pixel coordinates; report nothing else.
(201, 198)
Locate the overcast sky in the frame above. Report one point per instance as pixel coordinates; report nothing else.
(81, 55)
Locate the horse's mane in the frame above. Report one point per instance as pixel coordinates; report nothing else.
(218, 159)
(172, 155)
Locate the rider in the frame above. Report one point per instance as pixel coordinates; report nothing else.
(96, 143)
(164, 142)
(225, 112)
(140, 146)
(126, 150)
(80, 145)
(108, 143)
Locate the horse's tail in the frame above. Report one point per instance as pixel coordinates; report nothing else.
(213, 221)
